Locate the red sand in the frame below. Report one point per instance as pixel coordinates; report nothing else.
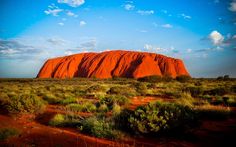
(112, 64)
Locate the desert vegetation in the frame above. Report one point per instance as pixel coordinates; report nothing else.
(107, 109)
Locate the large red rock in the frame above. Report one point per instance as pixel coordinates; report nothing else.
(112, 64)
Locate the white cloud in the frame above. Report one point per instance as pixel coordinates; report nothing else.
(61, 23)
(216, 38)
(53, 12)
(145, 12)
(153, 48)
(185, 16)
(82, 23)
(129, 7)
(143, 31)
(189, 50)
(68, 52)
(56, 41)
(69, 13)
(9, 51)
(233, 6)
(167, 26)
(72, 3)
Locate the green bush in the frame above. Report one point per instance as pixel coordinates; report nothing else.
(111, 99)
(97, 127)
(195, 91)
(159, 117)
(220, 91)
(151, 79)
(25, 103)
(125, 91)
(183, 78)
(95, 89)
(141, 88)
(5, 133)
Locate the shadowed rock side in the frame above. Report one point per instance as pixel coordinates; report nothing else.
(112, 64)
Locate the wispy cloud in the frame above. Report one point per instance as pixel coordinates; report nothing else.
(13, 48)
(72, 3)
(185, 16)
(87, 45)
(82, 23)
(145, 12)
(167, 26)
(232, 6)
(69, 13)
(153, 48)
(129, 7)
(56, 41)
(61, 23)
(53, 10)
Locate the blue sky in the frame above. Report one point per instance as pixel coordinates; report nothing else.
(202, 33)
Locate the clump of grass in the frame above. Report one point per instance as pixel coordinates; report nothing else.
(61, 120)
(84, 107)
(213, 112)
(186, 100)
(57, 120)
(68, 100)
(103, 108)
(6, 133)
(116, 109)
(28, 103)
(119, 90)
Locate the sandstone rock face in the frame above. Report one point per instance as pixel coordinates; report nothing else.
(112, 64)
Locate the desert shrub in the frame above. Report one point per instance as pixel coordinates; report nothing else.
(186, 99)
(195, 91)
(95, 89)
(116, 109)
(159, 117)
(103, 108)
(68, 100)
(61, 120)
(84, 107)
(141, 88)
(97, 127)
(151, 79)
(122, 120)
(51, 99)
(112, 99)
(172, 93)
(183, 78)
(217, 91)
(217, 100)
(233, 88)
(167, 78)
(5, 133)
(25, 103)
(120, 90)
(231, 101)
